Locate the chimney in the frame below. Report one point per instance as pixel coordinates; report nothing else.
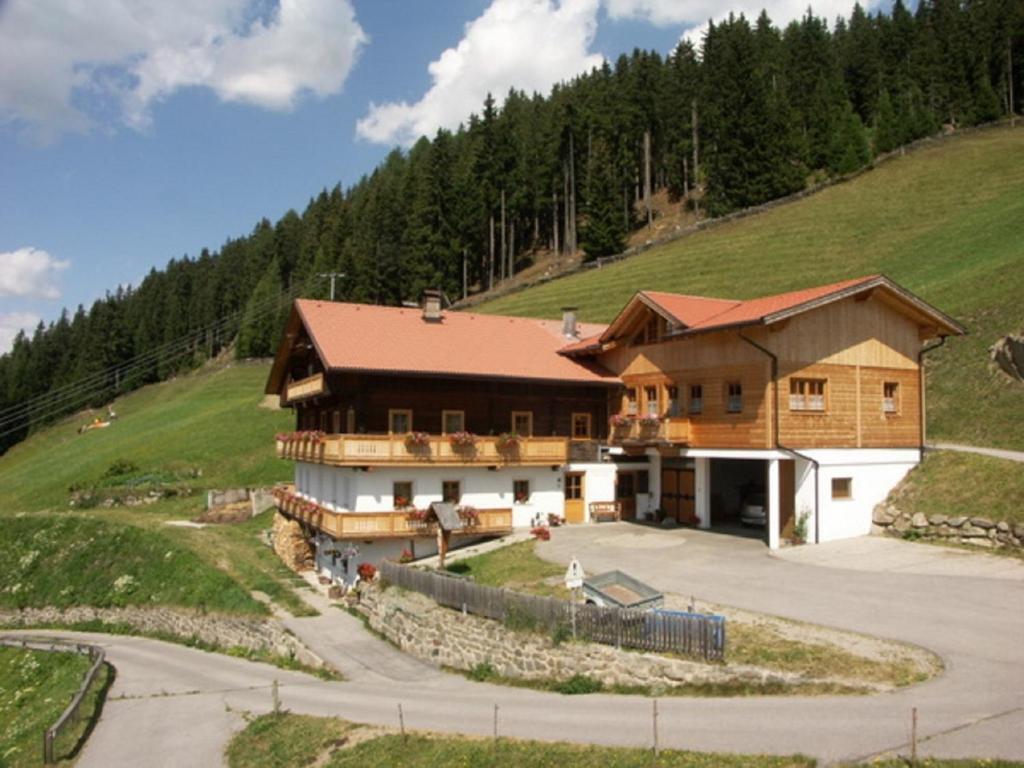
(432, 305)
(569, 323)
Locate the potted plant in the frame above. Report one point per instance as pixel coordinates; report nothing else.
(401, 502)
(366, 571)
(462, 440)
(541, 533)
(508, 441)
(468, 515)
(417, 440)
(649, 424)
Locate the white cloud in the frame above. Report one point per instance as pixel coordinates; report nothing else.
(528, 44)
(30, 272)
(693, 15)
(11, 323)
(55, 55)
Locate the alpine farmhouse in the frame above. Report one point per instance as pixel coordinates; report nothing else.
(794, 414)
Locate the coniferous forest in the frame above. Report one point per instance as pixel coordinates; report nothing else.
(754, 113)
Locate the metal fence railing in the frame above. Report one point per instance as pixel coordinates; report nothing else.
(692, 634)
(70, 715)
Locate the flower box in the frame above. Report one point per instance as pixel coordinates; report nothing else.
(508, 441)
(462, 440)
(417, 440)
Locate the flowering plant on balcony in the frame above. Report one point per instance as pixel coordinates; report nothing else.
(649, 421)
(508, 441)
(468, 515)
(417, 440)
(417, 515)
(462, 439)
(618, 421)
(406, 556)
(313, 435)
(541, 533)
(522, 497)
(401, 502)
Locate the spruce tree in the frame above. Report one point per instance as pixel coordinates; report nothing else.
(849, 150)
(603, 231)
(887, 127)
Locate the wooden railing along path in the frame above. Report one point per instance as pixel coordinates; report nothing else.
(70, 715)
(667, 632)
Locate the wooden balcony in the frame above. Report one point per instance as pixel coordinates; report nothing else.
(311, 386)
(385, 525)
(636, 432)
(371, 450)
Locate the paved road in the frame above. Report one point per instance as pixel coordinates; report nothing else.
(999, 453)
(174, 706)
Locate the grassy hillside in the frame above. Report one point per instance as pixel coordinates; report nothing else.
(208, 421)
(208, 424)
(947, 221)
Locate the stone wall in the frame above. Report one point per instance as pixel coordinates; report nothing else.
(250, 633)
(976, 531)
(291, 544)
(449, 638)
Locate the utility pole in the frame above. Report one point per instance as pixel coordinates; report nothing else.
(333, 276)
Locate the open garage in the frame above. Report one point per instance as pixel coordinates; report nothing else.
(739, 496)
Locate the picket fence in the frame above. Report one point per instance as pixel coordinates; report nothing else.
(692, 634)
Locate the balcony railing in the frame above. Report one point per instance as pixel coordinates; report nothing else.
(379, 525)
(359, 450)
(637, 431)
(311, 386)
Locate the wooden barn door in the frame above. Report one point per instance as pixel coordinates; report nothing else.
(678, 497)
(787, 492)
(625, 494)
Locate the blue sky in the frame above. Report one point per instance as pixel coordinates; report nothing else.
(135, 131)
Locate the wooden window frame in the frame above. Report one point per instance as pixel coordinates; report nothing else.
(842, 495)
(578, 478)
(690, 399)
(590, 426)
(728, 397)
(411, 496)
(392, 412)
(896, 404)
(529, 418)
(515, 492)
(455, 482)
(648, 388)
(672, 403)
(805, 395)
(444, 419)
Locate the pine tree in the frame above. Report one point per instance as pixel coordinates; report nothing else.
(887, 127)
(603, 231)
(849, 150)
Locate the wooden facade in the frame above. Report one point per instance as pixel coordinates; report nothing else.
(718, 391)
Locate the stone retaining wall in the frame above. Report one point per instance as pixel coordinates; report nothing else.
(976, 531)
(252, 634)
(448, 638)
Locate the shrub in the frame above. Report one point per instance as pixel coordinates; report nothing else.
(577, 685)
(541, 533)
(366, 571)
(405, 557)
(555, 520)
(560, 634)
(482, 672)
(120, 468)
(519, 620)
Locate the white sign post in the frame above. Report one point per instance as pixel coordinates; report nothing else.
(574, 583)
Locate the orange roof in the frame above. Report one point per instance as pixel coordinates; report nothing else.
(364, 337)
(698, 314)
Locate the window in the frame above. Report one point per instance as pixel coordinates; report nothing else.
(696, 399)
(672, 401)
(451, 491)
(891, 397)
(631, 402)
(652, 331)
(521, 491)
(574, 486)
(399, 421)
(651, 398)
(842, 488)
(581, 426)
(522, 423)
(734, 397)
(807, 394)
(453, 421)
(336, 421)
(401, 493)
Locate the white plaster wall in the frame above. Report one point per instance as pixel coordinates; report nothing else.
(372, 552)
(599, 484)
(348, 489)
(874, 473)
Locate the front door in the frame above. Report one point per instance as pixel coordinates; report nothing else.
(625, 494)
(574, 494)
(678, 499)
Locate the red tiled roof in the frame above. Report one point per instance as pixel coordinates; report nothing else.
(365, 337)
(689, 310)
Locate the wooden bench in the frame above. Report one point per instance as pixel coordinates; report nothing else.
(605, 511)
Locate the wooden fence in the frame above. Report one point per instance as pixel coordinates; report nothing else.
(70, 715)
(692, 634)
